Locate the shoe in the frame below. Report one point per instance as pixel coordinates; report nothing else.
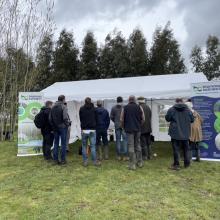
(125, 158)
(85, 163)
(175, 167)
(56, 162)
(132, 167)
(186, 166)
(119, 158)
(140, 164)
(63, 162)
(97, 163)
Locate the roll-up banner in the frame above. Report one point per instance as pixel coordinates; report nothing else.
(206, 101)
(29, 137)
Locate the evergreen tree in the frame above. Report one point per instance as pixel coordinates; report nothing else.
(114, 57)
(196, 59)
(212, 61)
(89, 58)
(44, 62)
(65, 58)
(165, 57)
(138, 53)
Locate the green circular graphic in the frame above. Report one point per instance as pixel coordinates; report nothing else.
(217, 109)
(32, 109)
(204, 145)
(22, 111)
(217, 125)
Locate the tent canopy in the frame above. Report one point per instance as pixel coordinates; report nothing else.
(152, 87)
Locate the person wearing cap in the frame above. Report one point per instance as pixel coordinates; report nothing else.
(180, 118)
(102, 125)
(132, 117)
(120, 135)
(196, 132)
(145, 129)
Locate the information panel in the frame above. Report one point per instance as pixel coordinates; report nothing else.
(206, 101)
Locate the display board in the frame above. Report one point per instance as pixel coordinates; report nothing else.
(206, 101)
(29, 137)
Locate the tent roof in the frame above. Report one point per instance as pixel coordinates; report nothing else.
(155, 87)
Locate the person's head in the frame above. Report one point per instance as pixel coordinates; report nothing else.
(119, 99)
(61, 98)
(141, 100)
(131, 99)
(99, 103)
(88, 101)
(48, 104)
(179, 100)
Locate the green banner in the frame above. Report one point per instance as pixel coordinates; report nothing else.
(29, 137)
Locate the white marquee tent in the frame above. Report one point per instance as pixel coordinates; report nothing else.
(160, 92)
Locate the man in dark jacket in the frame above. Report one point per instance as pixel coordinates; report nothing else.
(145, 129)
(132, 117)
(47, 131)
(60, 122)
(88, 120)
(120, 135)
(103, 121)
(180, 118)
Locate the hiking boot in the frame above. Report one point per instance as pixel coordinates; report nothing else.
(175, 167)
(132, 167)
(63, 162)
(140, 164)
(186, 165)
(97, 163)
(85, 163)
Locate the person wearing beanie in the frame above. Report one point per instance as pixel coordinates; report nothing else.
(196, 132)
(145, 129)
(120, 135)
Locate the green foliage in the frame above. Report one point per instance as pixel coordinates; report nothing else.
(165, 55)
(138, 54)
(31, 188)
(44, 63)
(114, 57)
(65, 58)
(89, 58)
(209, 63)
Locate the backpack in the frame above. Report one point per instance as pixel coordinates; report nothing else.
(39, 120)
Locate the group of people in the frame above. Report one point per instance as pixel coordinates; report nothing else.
(132, 131)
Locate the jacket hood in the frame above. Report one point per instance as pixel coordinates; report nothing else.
(180, 107)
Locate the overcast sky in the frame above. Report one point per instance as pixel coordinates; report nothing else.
(191, 20)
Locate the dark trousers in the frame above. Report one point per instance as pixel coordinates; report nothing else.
(47, 144)
(194, 150)
(145, 145)
(60, 134)
(101, 137)
(177, 144)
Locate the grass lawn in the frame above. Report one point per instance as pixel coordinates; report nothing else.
(31, 188)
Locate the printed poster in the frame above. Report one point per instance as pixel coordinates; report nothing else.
(29, 136)
(206, 101)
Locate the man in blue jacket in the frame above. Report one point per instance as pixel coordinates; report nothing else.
(180, 118)
(102, 124)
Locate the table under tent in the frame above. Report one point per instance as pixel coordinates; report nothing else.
(160, 92)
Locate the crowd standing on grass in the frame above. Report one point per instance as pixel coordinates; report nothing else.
(133, 131)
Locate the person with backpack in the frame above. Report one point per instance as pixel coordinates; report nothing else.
(103, 121)
(60, 122)
(120, 135)
(42, 121)
(88, 121)
(132, 117)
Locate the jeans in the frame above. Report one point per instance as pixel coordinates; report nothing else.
(134, 148)
(145, 145)
(121, 142)
(176, 144)
(48, 138)
(60, 133)
(92, 141)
